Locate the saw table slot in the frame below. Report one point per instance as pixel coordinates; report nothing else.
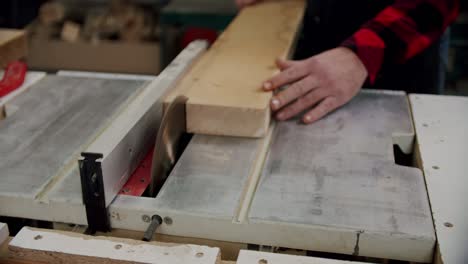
(403, 159)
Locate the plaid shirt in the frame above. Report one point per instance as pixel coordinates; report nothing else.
(401, 31)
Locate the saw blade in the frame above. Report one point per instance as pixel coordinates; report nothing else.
(170, 142)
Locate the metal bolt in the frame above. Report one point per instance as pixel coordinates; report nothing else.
(118, 246)
(156, 221)
(146, 218)
(263, 261)
(447, 224)
(37, 237)
(199, 254)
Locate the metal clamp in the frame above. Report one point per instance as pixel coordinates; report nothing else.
(92, 187)
(156, 221)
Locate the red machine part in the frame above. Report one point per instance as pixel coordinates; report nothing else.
(140, 179)
(194, 33)
(13, 78)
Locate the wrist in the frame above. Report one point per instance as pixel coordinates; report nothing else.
(369, 48)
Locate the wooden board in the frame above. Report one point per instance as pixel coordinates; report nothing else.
(3, 233)
(224, 88)
(442, 127)
(256, 257)
(64, 247)
(13, 46)
(378, 209)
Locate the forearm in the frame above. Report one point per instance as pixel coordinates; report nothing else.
(401, 31)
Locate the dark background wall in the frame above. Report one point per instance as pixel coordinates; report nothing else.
(18, 13)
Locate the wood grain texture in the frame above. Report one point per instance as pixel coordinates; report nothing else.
(224, 88)
(442, 129)
(13, 46)
(65, 247)
(3, 233)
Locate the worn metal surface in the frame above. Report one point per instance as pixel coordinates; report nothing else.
(54, 122)
(336, 179)
(339, 173)
(209, 177)
(352, 149)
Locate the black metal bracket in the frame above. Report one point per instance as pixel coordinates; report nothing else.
(92, 187)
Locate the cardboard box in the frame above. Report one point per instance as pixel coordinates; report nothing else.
(13, 46)
(105, 56)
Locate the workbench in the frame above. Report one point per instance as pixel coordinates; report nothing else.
(331, 187)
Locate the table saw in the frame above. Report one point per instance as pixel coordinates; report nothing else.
(71, 142)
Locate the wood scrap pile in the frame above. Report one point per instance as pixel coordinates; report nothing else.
(121, 20)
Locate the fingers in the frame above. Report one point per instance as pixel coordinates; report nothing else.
(323, 108)
(283, 64)
(293, 92)
(290, 74)
(302, 104)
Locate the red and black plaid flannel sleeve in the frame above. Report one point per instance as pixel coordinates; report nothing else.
(401, 31)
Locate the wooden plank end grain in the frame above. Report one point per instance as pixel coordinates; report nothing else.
(224, 88)
(13, 46)
(65, 247)
(3, 233)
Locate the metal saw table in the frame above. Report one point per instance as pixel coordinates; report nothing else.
(333, 186)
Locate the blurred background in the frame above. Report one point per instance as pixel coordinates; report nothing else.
(143, 36)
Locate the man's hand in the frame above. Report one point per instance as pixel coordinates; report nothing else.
(243, 3)
(320, 83)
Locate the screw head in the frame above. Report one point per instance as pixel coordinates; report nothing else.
(168, 220)
(447, 224)
(146, 218)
